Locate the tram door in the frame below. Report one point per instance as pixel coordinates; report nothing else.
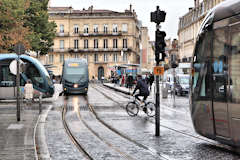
(220, 83)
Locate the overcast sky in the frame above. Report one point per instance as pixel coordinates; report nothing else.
(173, 8)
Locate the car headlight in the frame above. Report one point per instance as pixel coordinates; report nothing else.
(75, 86)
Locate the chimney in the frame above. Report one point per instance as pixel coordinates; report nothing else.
(196, 3)
(130, 8)
(190, 9)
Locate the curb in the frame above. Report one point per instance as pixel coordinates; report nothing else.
(119, 90)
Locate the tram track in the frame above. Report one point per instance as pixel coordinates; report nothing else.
(150, 150)
(123, 154)
(125, 96)
(213, 143)
(71, 136)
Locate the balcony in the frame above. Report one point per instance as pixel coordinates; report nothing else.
(60, 50)
(90, 50)
(94, 50)
(62, 34)
(101, 33)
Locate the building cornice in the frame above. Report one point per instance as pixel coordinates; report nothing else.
(90, 17)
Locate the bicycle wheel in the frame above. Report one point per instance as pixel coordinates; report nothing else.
(150, 109)
(132, 109)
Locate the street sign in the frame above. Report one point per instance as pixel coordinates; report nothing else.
(13, 67)
(158, 70)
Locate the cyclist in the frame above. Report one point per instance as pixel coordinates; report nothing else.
(143, 90)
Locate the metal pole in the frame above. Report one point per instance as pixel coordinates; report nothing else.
(18, 88)
(174, 83)
(40, 103)
(157, 116)
(141, 58)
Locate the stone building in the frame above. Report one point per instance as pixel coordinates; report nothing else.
(189, 25)
(105, 38)
(147, 57)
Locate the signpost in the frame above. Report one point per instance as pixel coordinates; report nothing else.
(158, 70)
(19, 49)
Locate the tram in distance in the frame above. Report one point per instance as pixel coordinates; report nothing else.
(75, 76)
(34, 71)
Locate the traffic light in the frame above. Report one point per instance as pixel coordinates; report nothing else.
(173, 61)
(160, 46)
(158, 16)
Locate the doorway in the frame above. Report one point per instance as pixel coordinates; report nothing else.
(100, 72)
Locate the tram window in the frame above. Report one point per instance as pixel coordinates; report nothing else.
(234, 64)
(201, 78)
(33, 74)
(6, 78)
(219, 64)
(22, 81)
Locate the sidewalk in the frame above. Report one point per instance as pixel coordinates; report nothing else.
(16, 138)
(119, 88)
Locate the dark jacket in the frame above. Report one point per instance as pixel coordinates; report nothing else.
(151, 79)
(142, 86)
(130, 79)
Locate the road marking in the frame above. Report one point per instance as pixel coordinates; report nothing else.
(15, 126)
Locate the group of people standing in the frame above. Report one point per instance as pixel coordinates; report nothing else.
(127, 80)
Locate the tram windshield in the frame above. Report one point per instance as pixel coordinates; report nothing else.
(75, 70)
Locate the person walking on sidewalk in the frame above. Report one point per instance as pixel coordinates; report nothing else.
(151, 80)
(143, 90)
(123, 80)
(28, 91)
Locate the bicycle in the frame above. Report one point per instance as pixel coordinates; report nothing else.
(133, 107)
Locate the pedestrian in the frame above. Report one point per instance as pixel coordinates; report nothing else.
(123, 80)
(102, 79)
(151, 80)
(130, 81)
(28, 91)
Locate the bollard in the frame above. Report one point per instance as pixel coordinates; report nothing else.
(40, 103)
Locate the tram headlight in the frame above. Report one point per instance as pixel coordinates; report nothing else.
(75, 86)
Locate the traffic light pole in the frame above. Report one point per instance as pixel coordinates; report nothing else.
(157, 116)
(19, 49)
(174, 85)
(18, 89)
(157, 17)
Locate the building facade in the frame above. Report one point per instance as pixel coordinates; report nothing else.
(189, 25)
(105, 38)
(147, 52)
